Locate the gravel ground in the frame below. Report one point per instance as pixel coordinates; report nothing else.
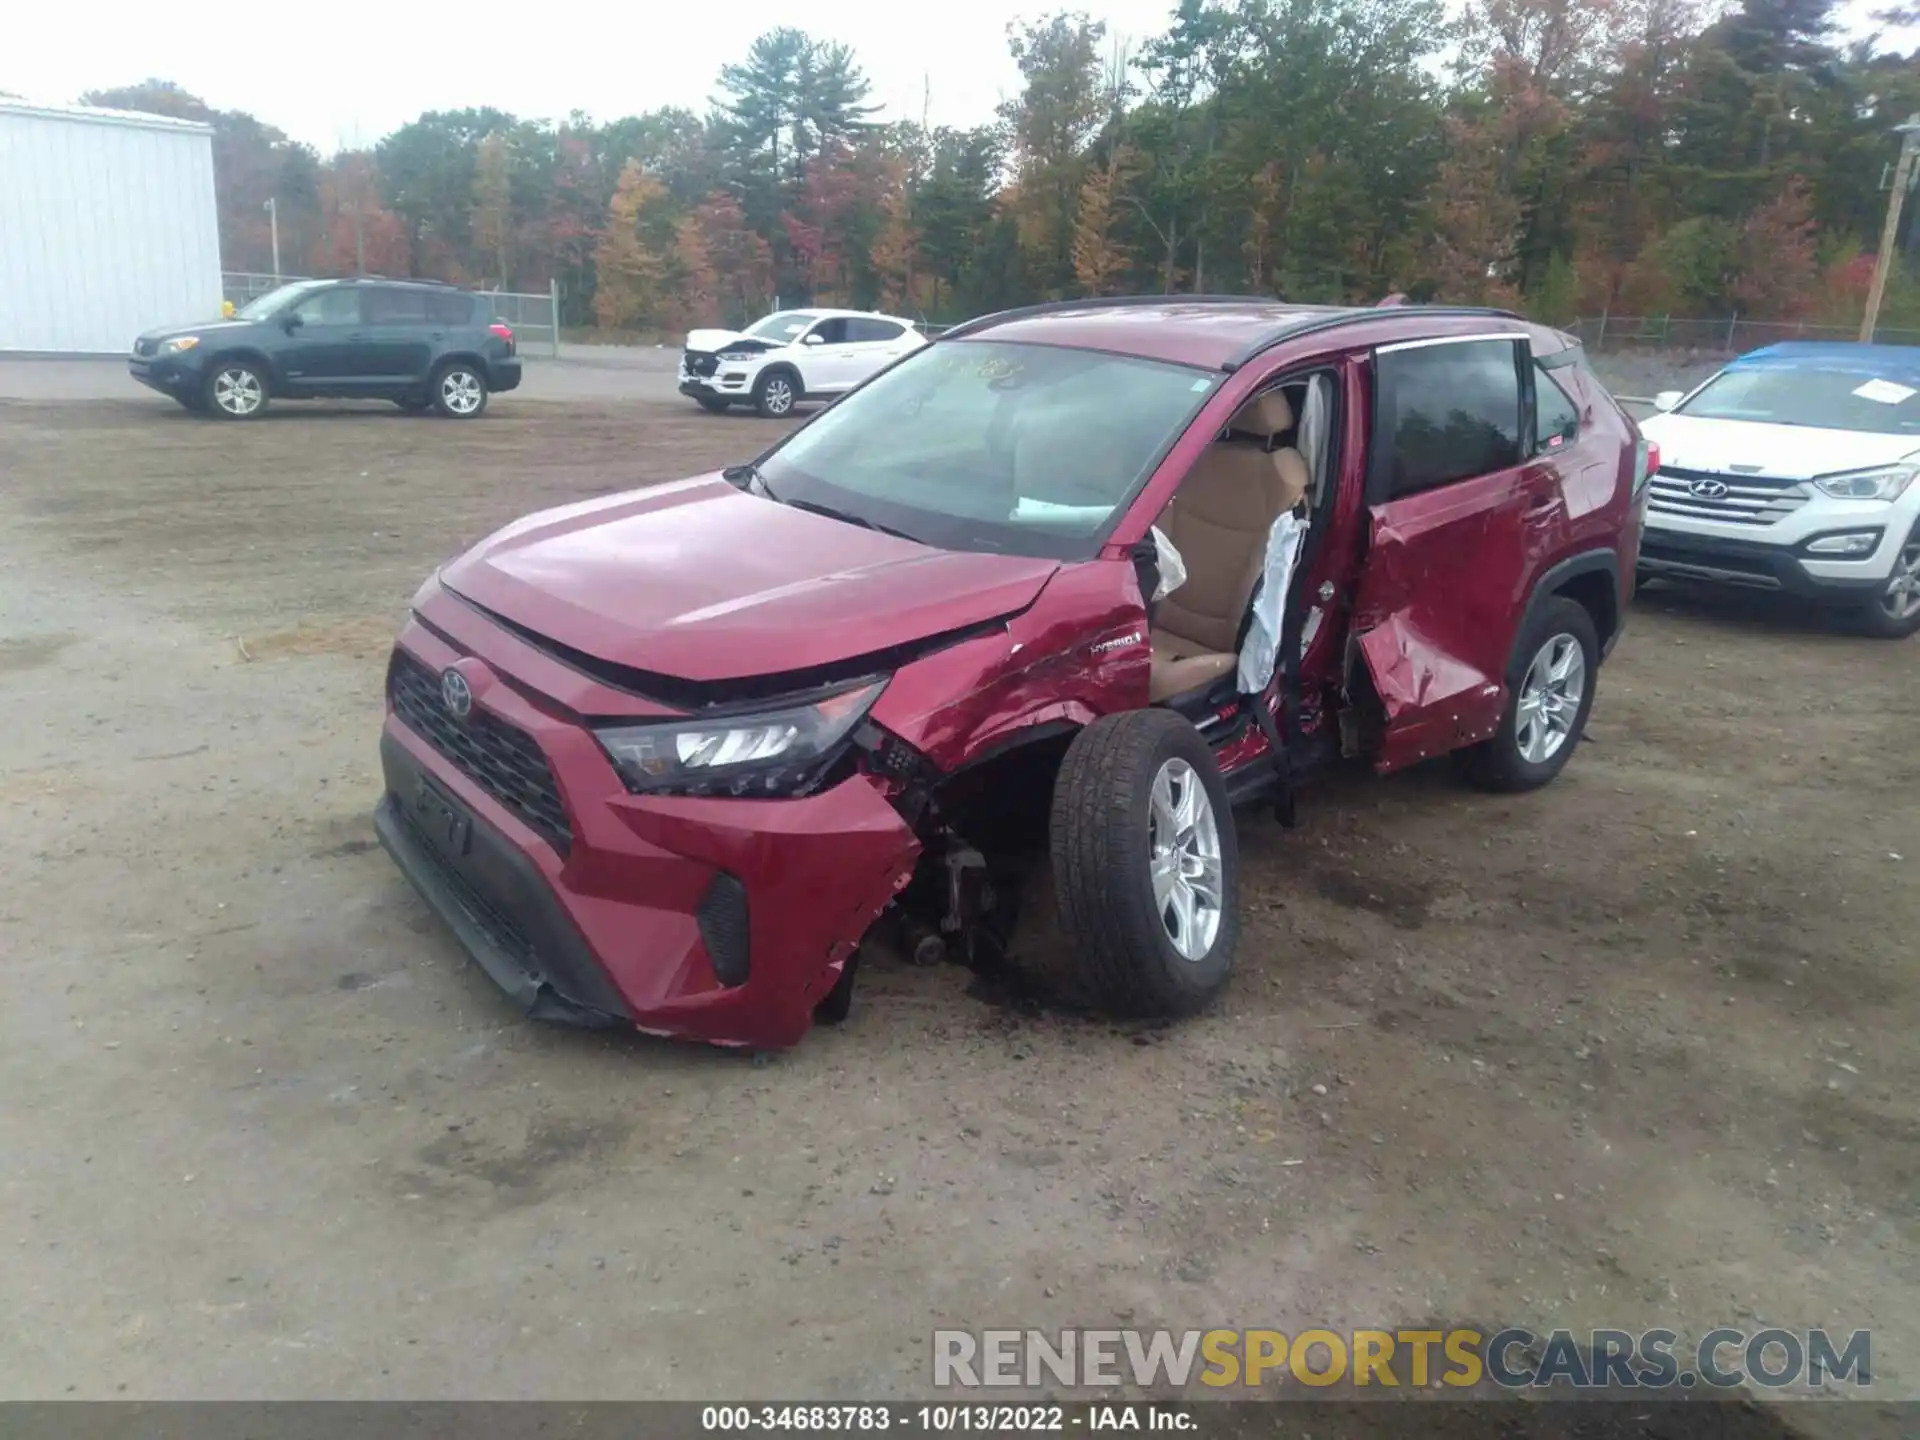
(1636, 1050)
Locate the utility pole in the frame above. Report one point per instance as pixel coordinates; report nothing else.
(1909, 134)
(273, 221)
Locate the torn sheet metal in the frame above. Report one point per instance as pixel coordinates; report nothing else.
(1260, 651)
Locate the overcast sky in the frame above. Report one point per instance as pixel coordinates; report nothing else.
(342, 80)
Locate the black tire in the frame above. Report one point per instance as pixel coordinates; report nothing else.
(776, 392)
(838, 1002)
(235, 390)
(1499, 764)
(1101, 833)
(459, 391)
(1877, 617)
(712, 404)
(196, 402)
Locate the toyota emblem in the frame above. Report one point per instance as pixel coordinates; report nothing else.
(1708, 489)
(457, 694)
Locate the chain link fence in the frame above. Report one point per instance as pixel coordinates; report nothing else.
(1731, 336)
(534, 318)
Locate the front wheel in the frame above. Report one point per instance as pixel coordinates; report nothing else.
(1146, 864)
(1894, 613)
(1550, 681)
(236, 390)
(459, 391)
(775, 394)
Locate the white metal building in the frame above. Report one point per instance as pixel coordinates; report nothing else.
(107, 227)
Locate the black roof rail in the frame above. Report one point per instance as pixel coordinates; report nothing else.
(1098, 302)
(1335, 319)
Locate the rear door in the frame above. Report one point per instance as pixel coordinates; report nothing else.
(1461, 512)
(873, 344)
(397, 344)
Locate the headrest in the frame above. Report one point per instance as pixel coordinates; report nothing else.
(1265, 415)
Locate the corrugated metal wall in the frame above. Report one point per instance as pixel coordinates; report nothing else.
(107, 228)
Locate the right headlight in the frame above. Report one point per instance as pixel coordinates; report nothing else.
(782, 751)
(1884, 482)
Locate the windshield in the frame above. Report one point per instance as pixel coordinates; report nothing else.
(785, 328)
(973, 445)
(1851, 399)
(261, 306)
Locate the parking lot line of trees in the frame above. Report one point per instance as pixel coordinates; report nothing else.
(1568, 156)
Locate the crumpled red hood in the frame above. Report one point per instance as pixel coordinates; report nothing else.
(698, 580)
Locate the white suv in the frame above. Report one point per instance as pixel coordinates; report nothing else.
(792, 356)
(1793, 469)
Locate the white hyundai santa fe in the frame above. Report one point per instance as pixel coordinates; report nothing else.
(1793, 470)
(792, 356)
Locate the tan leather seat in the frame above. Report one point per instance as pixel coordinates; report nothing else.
(1218, 520)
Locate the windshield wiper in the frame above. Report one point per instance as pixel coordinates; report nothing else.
(749, 479)
(847, 515)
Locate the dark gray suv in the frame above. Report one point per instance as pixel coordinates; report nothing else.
(417, 343)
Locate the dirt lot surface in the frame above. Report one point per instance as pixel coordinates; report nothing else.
(1637, 1050)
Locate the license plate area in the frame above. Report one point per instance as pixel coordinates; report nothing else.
(443, 820)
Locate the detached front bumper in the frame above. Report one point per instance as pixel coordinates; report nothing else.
(723, 920)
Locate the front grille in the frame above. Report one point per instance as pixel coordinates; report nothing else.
(699, 362)
(145, 347)
(1750, 499)
(501, 759)
(725, 930)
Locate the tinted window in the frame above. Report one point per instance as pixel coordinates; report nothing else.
(1556, 417)
(396, 307)
(1444, 413)
(338, 306)
(784, 328)
(449, 307)
(832, 332)
(874, 330)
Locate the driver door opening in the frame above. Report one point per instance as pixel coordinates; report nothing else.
(1274, 459)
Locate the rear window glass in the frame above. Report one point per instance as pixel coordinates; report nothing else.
(1445, 413)
(394, 307)
(451, 307)
(1556, 418)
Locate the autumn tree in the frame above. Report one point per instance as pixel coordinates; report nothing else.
(1099, 260)
(1060, 109)
(629, 263)
(493, 206)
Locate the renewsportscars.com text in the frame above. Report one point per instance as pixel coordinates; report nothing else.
(1512, 1359)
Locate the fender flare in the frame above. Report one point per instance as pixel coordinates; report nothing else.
(777, 366)
(1603, 560)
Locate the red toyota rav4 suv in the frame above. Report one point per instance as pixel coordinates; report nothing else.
(1069, 584)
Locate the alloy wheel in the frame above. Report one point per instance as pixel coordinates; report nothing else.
(460, 391)
(1550, 698)
(238, 391)
(1901, 598)
(779, 396)
(1183, 840)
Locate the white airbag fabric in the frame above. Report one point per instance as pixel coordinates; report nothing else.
(1260, 650)
(1173, 570)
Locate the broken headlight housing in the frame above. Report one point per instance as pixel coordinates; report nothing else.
(782, 751)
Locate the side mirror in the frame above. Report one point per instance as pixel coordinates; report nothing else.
(1667, 399)
(291, 321)
(816, 338)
